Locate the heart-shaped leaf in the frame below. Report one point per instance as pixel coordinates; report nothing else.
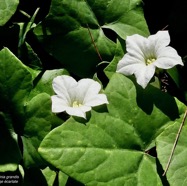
(119, 139)
(71, 29)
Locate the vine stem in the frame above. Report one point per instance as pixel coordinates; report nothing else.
(99, 55)
(165, 27)
(175, 143)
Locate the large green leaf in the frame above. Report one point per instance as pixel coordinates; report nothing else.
(25, 108)
(86, 152)
(39, 121)
(39, 118)
(15, 81)
(112, 148)
(177, 171)
(15, 85)
(65, 34)
(147, 110)
(7, 9)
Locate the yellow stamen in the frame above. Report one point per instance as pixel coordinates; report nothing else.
(150, 60)
(76, 104)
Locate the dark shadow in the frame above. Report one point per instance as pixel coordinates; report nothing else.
(100, 73)
(10, 152)
(34, 176)
(160, 171)
(110, 34)
(73, 182)
(152, 152)
(152, 96)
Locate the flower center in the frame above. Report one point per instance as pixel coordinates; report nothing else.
(150, 60)
(76, 104)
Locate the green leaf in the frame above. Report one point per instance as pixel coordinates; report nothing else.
(44, 81)
(112, 148)
(65, 34)
(39, 121)
(7, 9)
(26, 111)
(178, 168)
(119, 53)
(15, 81)
(62, 178)
(29, 57)
(31, 158)
(174, 74)
(26, 27)
(45, 177)
(147, 110)
(86, 152)
(49, 175)
(126, 19)
(15, 85)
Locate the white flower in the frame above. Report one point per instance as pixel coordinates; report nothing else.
(145, 54)
(76, 98)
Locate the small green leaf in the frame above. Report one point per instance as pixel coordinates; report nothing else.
(174, 74)
(50, 175)
(44, 83)
(119, 52)
(29, 57)
(62, 178)
(7, 9)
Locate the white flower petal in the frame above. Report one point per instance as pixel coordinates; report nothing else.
(128, 60)
(78, 111)
(76, 98)
(89, 86)
(145, 54)
(144, 74)
(135, 46)
(86, 89)
(130, 69)
(168, 58)
(97, 100)
(58, 104)
(159, 40)
(85, 108)
(62, 85)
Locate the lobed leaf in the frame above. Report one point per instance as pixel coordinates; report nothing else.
(65, 33)
(112, 148)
